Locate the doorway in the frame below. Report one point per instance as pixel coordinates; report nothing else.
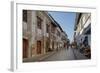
(38, 47)
(25, 48)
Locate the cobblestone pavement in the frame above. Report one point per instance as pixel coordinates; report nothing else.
(61, 55)
(66, 54)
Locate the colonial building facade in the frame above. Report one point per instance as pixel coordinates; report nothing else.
(82, 34)
(41, 34)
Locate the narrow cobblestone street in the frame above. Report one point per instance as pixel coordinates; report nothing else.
(66, 54)
(61, 55)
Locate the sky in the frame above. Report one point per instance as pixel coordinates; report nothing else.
(66, 20)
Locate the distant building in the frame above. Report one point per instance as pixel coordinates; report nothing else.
(82, 34)
(41, 34)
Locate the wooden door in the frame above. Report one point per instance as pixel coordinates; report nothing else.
(25, 48)
(53, 45)
(38, 47)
